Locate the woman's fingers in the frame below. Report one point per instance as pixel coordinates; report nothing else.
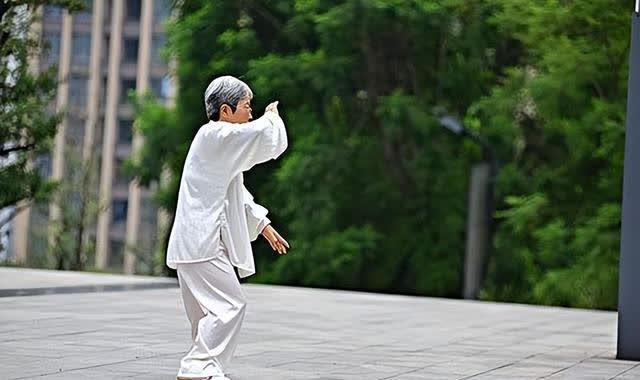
(282, 242)
(276, 241)
(272, 106)
(281, 249)
(281, 239)
(272, 244)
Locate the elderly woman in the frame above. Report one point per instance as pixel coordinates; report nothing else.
(217, 218)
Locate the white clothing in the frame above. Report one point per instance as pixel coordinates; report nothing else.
(213, 204)
(215, 305)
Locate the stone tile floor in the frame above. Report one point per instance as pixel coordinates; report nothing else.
(300, 334)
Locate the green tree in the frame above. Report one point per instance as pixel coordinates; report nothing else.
(559, 116)
(25, 130)
(78, 200)
(372, 191)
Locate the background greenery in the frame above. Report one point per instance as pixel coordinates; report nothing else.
(27, 128)
(372, 192)
(24, 130)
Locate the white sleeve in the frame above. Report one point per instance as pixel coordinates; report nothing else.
(258, 141)
(256, 215)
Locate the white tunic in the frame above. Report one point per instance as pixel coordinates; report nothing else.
(213, 203)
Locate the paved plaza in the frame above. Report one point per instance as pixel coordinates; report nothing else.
(64, 325)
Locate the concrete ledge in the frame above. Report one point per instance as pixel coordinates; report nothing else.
(15, 282)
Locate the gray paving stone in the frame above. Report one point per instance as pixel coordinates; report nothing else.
(303, 334)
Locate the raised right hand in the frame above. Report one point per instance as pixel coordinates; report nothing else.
(273, 107)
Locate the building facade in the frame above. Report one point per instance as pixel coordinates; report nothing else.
(102, 54)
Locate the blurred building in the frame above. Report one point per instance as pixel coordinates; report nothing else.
(101, 54)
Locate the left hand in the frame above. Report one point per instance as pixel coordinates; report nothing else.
(276, 241)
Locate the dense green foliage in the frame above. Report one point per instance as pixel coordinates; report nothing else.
(372, 191)
(559, 116)
(25, 130)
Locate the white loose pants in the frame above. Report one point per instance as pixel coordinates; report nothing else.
(215, 305)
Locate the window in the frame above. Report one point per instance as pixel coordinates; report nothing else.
(121, 179)
(97, 142)
(148, 212)
(157, 43)
(52, 13)
(75, 132)
(107, 11)
(130, 50)
(84, 15)
(119, 210)
(127, 85)
(78, 90)
(116, 253)
(133, 10)
(125, 131)
(161, 87)
(105, 51)
(81, 49)
(156, 87)
(161, 10)
(51, 52)
(43, 163)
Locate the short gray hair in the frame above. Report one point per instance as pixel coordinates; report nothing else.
(224, 90)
